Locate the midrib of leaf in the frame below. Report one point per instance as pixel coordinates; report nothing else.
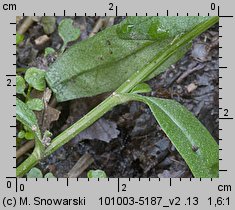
(135, 79)
(201, 159)
(179, 125)
(27, 117)
(204, 163)
(99, 67)
(160, 58)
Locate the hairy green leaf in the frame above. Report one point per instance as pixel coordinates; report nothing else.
(20, 84)
(27, 118)
(189, 136)
(35, 104)
(36, 78)
(156, 28)
(116, 98)
(67, 31)
(96, 174)
(102, 63)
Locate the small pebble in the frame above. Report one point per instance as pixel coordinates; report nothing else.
(200, 52)
(41, 40)
(191, 87)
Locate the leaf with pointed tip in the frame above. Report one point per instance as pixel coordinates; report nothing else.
(27, 117)
(102, 63)
(192, 140)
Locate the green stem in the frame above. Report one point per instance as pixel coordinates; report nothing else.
(114, 100)
(29, 163)
(32, 160)
(24, 95)
(161, 57)
(82, 124)
(69, 133)
(27, 97)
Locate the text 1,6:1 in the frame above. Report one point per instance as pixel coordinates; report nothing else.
(219, 201)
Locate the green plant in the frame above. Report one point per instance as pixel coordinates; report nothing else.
(19, 38)
(34, 79)
(96, 174)
(49, 51)
(37, 173)
(122, 57)
(68, 32)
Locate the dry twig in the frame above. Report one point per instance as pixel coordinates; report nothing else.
(25, 148)
(83, 163)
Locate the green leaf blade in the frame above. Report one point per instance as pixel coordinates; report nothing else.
(20, 84)
(156, 28)
(21, 134)
(96, 174)
(19, 38)
(27, 118)
(49, 24)
(189, 136)
(67, 31)
(49, 175)
(103, 62)
(29, 135)
(35, 104)
(34, 173)
(36, 78)
(48, 51)
(141, 88)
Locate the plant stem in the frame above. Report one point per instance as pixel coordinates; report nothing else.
(114, 100)
(161, 57)
(27, 97)
(70, 133)
(82, 124)
(30, 162)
